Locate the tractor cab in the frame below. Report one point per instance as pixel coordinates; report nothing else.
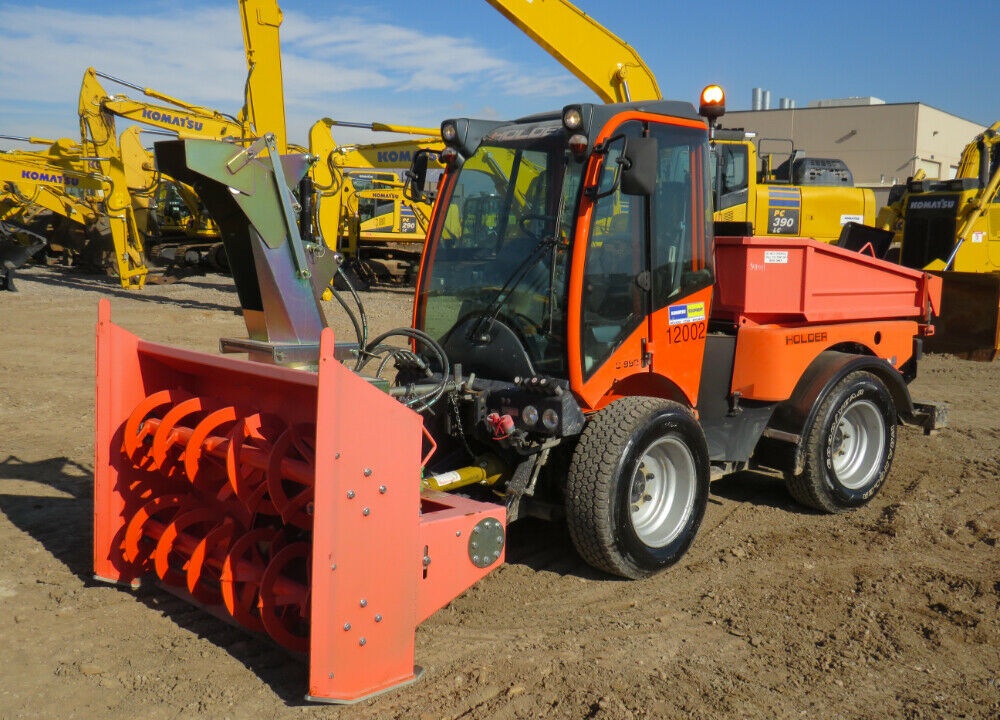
(557, 239)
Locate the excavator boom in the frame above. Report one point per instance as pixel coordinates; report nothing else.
(600, 59)
(183, 118)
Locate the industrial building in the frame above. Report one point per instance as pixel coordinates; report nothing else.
(882, 143)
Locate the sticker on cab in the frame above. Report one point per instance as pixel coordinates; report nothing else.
(691, 312)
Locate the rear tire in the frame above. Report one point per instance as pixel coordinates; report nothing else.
(849, 446)
(637, 486)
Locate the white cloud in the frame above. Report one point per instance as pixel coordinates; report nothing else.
(341, 66)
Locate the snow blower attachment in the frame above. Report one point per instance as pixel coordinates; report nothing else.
(267, 490)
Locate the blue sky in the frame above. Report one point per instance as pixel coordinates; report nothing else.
(415, 63)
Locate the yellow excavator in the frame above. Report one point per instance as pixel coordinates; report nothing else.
(952, 228)
(263, 112)
(801, 196)
(359, 205)
(54, 194)
(168, 215)
(54, 179)
(809, 197)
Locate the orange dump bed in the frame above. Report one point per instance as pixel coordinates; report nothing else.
(798, 280)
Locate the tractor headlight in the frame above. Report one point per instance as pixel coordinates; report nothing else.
(550, 420)
(448, 131)
(529, 416)
(572, 118)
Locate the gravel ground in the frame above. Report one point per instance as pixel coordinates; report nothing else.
(776, 612)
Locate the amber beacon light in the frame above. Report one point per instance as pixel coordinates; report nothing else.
(713, 102)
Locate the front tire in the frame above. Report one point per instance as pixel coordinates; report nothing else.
(849, 448)
(637, 486)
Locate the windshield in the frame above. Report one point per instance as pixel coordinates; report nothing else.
(504, 243)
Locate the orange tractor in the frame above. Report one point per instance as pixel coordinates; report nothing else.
(582, 348)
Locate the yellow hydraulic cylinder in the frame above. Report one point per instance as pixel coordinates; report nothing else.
(487, 472)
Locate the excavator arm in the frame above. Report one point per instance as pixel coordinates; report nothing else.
(99, 140)
(978, 161)
(970, 164)
(183, 118)
(265, 94)
(54, 180)
(600, 59)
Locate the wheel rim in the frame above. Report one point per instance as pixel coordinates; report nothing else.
(662, 492)
(858, 445)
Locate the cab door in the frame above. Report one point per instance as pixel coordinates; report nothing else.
(614, 299)
(646, 285)
(681, 277)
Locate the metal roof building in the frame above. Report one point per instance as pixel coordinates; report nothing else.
(882, 143)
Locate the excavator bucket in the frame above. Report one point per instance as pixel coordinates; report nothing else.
(969, 323)
(285, 501)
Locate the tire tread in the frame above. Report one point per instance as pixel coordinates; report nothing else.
(590, 481)
(807, 487)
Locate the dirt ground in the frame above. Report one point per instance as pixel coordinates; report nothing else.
(892, 611)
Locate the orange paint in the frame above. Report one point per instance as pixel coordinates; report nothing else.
(343, 563)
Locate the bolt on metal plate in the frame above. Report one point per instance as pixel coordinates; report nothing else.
(486, 542)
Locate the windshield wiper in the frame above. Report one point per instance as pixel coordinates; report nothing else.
(492, 310)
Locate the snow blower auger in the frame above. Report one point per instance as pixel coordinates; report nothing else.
(268, 489)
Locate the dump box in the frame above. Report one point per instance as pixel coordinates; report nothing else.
(787, 280)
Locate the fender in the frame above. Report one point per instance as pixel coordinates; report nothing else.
(799, 411)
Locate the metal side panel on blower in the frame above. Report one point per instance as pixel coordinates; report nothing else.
(272, 495)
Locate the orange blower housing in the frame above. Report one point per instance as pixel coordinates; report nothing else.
(276, 499)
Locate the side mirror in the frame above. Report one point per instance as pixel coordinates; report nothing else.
(416, 177)
(638, 160)
(631, 169)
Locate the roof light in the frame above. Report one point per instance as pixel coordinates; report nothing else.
(448, 131)
(572, 119)
(713, 102)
